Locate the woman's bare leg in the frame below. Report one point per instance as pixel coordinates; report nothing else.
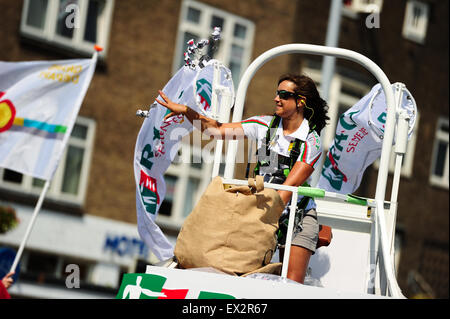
(298, 263)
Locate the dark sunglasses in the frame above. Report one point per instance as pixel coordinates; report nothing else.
(286, 94)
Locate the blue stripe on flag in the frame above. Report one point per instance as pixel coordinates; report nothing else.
(41, 125)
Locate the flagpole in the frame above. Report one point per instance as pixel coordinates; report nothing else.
(30, 226)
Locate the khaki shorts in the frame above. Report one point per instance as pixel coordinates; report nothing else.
(307, 235)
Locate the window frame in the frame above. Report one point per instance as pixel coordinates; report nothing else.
(183, 171)
(55, 190)
(361, 6)
(409, 31)
(440, 136)
(48, 34)
(203, 30)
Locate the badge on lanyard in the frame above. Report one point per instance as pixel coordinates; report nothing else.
(274, 141)
(291, 145)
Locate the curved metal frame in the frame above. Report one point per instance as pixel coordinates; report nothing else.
(379, 219)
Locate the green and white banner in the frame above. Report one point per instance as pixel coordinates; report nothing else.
(207, 283)
(358, 141)
(158, 143)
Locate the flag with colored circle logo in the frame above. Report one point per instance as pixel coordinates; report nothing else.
(158, 143)
(39, 102)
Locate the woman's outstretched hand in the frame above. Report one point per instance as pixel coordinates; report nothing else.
(173, 107)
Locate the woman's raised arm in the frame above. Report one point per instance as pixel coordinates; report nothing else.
(207, 125)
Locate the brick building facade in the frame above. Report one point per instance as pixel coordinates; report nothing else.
(142, 47)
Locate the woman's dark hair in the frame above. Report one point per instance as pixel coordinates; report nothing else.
(305, 86)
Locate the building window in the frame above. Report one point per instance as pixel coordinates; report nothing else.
(45, 267)
(74, 25)
(416, 21)
(439, 160)
(186, 179)
(167, 204)
(70, 181)
(352, 7)
(198, 20)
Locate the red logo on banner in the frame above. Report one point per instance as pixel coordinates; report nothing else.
(7, 113)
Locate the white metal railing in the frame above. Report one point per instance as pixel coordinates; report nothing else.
(379, 232)
(304, 191)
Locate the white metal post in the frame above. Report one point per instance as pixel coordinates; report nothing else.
(328, 66)
(30, 226)
(223, 94)
(287, 246)
(214, 102)
(373, 254)
(331, 40)
(214, 96)
(401, 144)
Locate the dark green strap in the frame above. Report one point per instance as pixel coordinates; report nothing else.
(303, 202)
(295, 152)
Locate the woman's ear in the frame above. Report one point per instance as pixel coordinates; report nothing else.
(301, 102)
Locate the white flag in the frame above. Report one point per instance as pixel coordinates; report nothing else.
(158, 143)
(358, 141)
(39, 102)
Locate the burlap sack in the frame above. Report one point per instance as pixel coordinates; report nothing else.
(233, 229)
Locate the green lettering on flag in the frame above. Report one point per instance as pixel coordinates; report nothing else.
(147, 153)
(348, 126)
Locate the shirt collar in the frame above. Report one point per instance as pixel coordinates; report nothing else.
(301, 133)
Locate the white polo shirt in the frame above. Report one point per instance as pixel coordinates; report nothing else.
(256, 128)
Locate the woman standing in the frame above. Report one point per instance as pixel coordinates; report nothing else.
(288, 148)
